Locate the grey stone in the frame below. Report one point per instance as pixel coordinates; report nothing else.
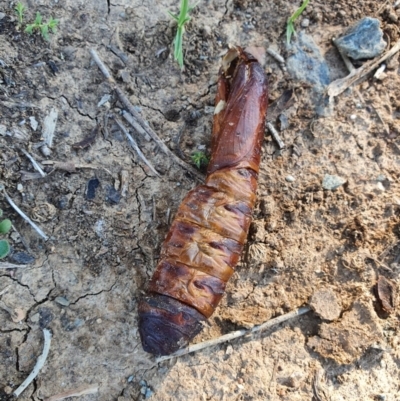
(22, 258)
(306, 64)
(332, 182)
(363, 40)
(62, 301)
(305, 23)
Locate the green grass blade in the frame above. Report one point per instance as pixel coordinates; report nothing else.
(175, 17)
(290, 26)
(289, 31)
(298, 12)
(184, 11)
(178, 51)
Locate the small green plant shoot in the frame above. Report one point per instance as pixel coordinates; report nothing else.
(43, 27)
(199, 159)
(20, 10)
(290, 23)
(181, 20)
(5, 226)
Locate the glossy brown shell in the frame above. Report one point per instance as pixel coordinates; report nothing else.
(207, 236)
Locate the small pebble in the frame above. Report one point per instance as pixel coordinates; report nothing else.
(290, 178)
(91, 188)
(98, 321)
(7, 389)
(148, 393)
(284, 122)
(332, 182)
(35, 318)
(326, 305)
(62, 301)
(22, 258)
(353, 117)
(113, 196)
(20, 187)
(104, 100)
(2, 15)
(381, 177)
(130, 378)
(15, 237)
(380, 187)
(305, 23)
(62, 202)
(3, 130)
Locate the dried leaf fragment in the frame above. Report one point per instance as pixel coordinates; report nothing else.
(385, 292)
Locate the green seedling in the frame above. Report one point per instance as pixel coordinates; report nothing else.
(181, 20)
(5, 227)
(199, 159)
(290, 23)
(20, 10)
(43, 27)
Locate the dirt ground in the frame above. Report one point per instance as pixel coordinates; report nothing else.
(305, 242)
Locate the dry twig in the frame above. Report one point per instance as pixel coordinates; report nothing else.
(350, 67)
(125, 101)
(7, 265)
(135, 146)
(23, 215)
(236, 334)
(135, 125)
(39, 364)
(77, 392)
(275, 135)
(277, 57)
(337, 87)
(34, 163)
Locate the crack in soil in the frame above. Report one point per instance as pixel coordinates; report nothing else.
(94, 294)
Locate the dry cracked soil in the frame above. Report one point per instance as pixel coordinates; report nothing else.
(106, 213)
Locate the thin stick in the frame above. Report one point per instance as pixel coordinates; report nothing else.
(39, 364)
(34, 163)
(277, 57)
(236, 334)
(135, 125)
(82, 390)
(337, 87)
(23, 215)
(350, 67)
(7, 265)
(135, 146)
(4, 290)
(119, 53)
(101, 66)
(275, 135)
(129, 106)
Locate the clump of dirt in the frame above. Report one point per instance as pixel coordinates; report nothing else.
(346, 340)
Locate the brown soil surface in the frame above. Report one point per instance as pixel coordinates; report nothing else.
(86, 280)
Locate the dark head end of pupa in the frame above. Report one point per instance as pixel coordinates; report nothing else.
(166, 324)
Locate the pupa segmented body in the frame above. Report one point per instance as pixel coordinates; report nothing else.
(210, 228)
